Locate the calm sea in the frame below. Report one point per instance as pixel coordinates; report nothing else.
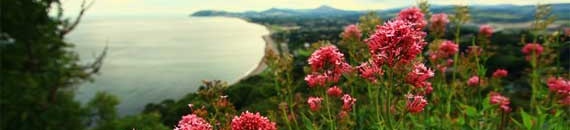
(151, 59)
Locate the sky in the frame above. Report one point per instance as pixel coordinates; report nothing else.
(186, 7)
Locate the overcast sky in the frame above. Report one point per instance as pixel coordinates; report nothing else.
(185, 7)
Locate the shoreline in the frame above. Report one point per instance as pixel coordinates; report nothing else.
(261, 66)
(269, 44)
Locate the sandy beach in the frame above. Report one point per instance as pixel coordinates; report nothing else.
(269, 44)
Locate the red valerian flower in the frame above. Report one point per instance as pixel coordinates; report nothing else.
(369, 71)
(314, 103)
(193, 122)
(342, 114)
(502, 101)
(330, 63)
(334, 91)
(414, 16)
(250, 121)
(473, 81)
(500, 73)
(328, 58)
(486, 30)
(347, 102)
(415, 103)
(428, 89)
(532, 48)
(351, 32)
(559, 85)
(448, 48)
(396, 42)
(439, 19)
(314, 80)
(419, 76)
(438, 23)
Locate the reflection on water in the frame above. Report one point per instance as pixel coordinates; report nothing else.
(152, 59)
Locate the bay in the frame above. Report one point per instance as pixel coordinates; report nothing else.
(154, 58)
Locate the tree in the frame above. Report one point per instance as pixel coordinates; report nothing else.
(103, 115)
(38, 68)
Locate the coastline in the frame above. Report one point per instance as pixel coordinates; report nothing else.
(261, 66)
(269, 45)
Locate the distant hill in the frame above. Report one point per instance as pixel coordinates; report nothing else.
(322, 11)
(479, 13)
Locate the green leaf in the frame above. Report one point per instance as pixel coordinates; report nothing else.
(470, 111)
(517, 123)
(308, 123)
(460, 121)
(527, 120)
(541, 120)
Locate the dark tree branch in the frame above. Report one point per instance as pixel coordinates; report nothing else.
(72, 26)
(96, 65)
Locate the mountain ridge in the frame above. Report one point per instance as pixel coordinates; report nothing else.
(481, 13)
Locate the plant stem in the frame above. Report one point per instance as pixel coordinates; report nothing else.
(455, 57)
(501, 127)
(534, 80)
(286, 119)
(330, 116)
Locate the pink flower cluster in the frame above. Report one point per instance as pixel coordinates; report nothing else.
(370, 71)
(319, 79)
(532, 48)
(473, 81)
(438, 23)
(446, 49)
(415, 103)
(250, 121)
(314, 103)
(500, 73)
(439, 19)
(486, 30)
(334, 91)
(559, 85)
(193, 122)
(395, 42)
(327, 64)
(419, 76)
(347, 102)
(502, 101)
(330, 57)
(351, 32)
(414, 16)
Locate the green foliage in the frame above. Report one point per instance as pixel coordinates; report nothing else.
(150, 121)
(103, 108)
(367, 23)
(39, 68)
(103, 115)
